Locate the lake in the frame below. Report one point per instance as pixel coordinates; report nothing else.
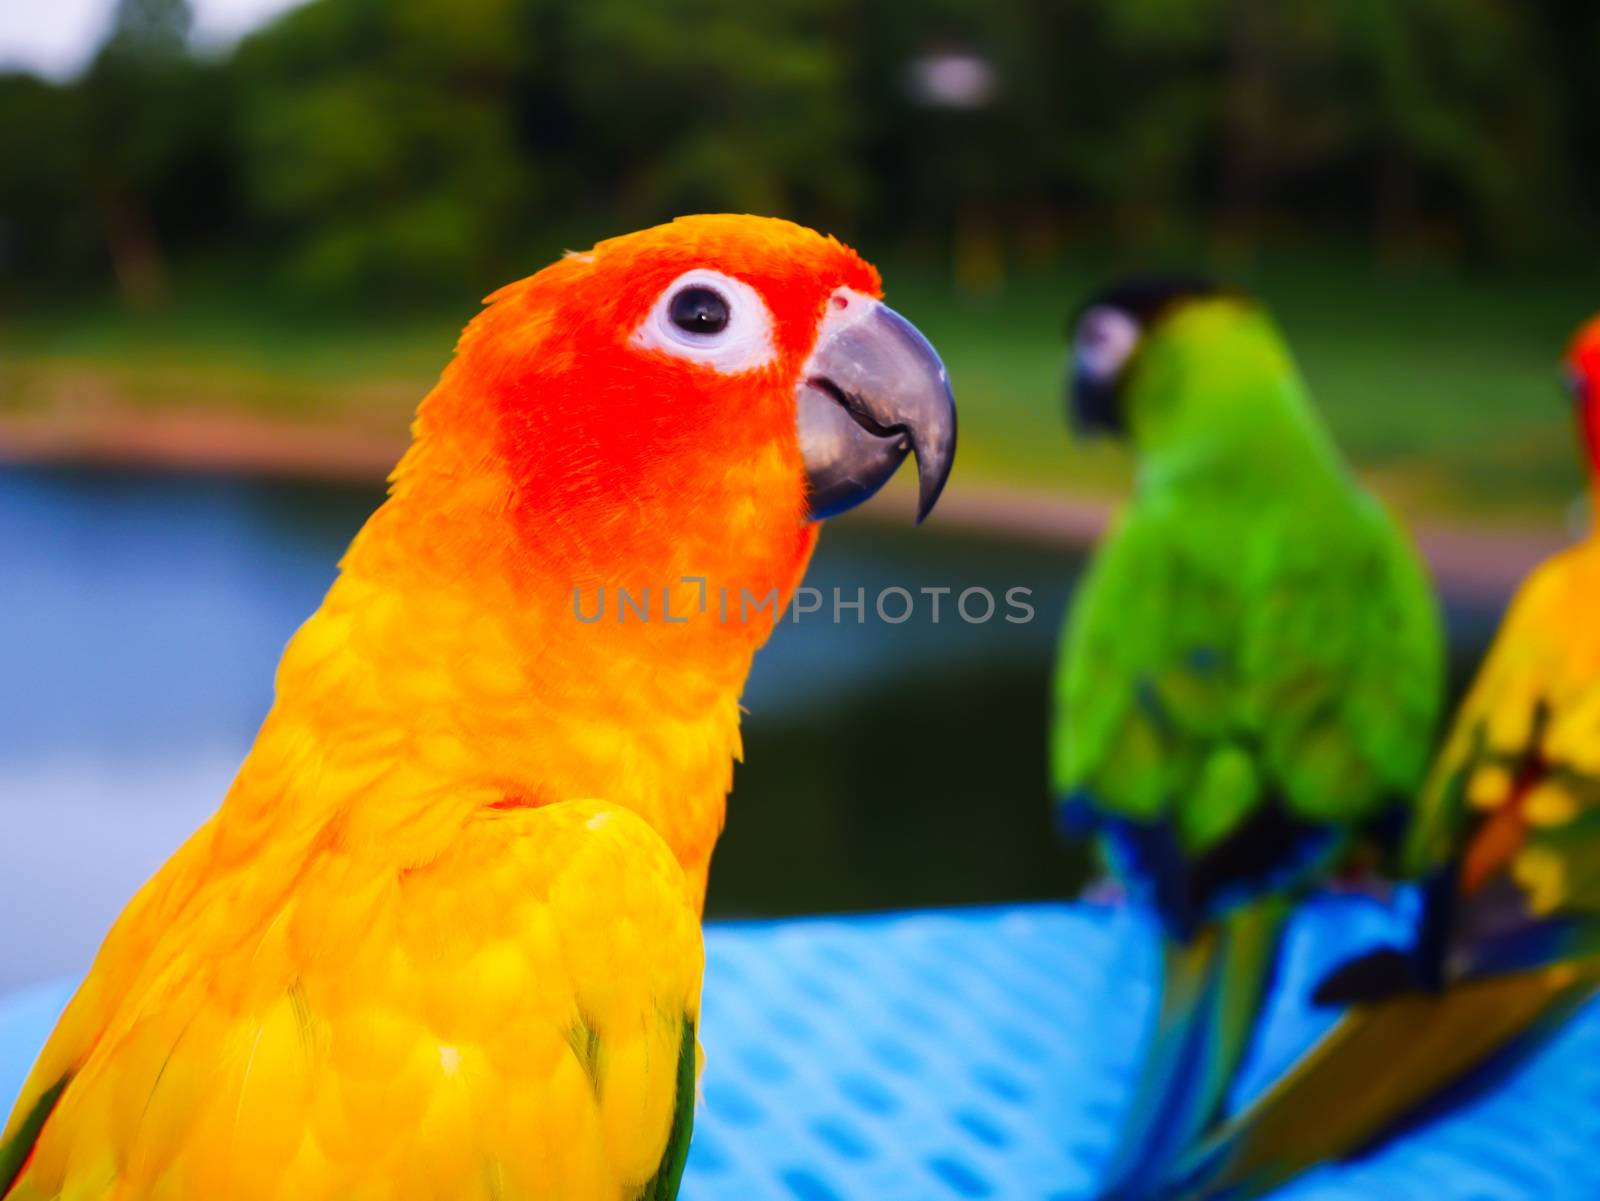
(887, 765)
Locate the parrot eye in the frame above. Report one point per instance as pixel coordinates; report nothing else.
(710, 318)
(700, 311)
(1106, 341)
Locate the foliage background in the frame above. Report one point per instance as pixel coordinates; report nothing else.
(403, 150)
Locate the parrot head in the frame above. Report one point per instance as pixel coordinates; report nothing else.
(1109, 331)
(1580, 371)
(687, 400)
(609, 497)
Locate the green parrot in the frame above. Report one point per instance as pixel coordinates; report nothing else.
(1249, 679)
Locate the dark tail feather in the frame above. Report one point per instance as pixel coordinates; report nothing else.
(1384, 1068)
(1212, 989)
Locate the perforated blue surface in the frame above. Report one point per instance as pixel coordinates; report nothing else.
(988, 1053)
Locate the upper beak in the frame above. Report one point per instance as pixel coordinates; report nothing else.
(872, 390)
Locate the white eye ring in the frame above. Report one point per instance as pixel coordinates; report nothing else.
(1106, 341)
(743, 344)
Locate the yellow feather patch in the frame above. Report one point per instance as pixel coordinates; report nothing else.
(1489, 787)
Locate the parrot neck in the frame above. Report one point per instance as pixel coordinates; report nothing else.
(1220, 400)
(455, 664)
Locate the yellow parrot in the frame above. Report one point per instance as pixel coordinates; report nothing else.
(442, 937)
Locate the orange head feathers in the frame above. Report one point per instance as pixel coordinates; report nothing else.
(1582, 371)
(643, 404)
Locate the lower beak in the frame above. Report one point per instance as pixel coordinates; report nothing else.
(872, 392)
(1094, 406)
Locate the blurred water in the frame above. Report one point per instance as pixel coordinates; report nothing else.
(141, 617)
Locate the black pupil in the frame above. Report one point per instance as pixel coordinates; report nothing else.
(699, 311)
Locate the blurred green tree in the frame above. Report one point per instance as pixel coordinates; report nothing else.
(417, 145)
(712, 104)
(377, 146)
(415, 149)
(45, 227)
(130, 141)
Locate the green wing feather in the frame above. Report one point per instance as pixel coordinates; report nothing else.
(663, 1186)
(14, 1151)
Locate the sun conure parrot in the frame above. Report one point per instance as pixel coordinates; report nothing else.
(1249, 678)
(1506, 845)
(442, 938)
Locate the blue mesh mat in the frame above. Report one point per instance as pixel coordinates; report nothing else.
(988, 1053)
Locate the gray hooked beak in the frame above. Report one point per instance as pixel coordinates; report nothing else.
(872, 391)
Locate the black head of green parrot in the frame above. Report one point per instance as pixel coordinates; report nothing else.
(1107, 330)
